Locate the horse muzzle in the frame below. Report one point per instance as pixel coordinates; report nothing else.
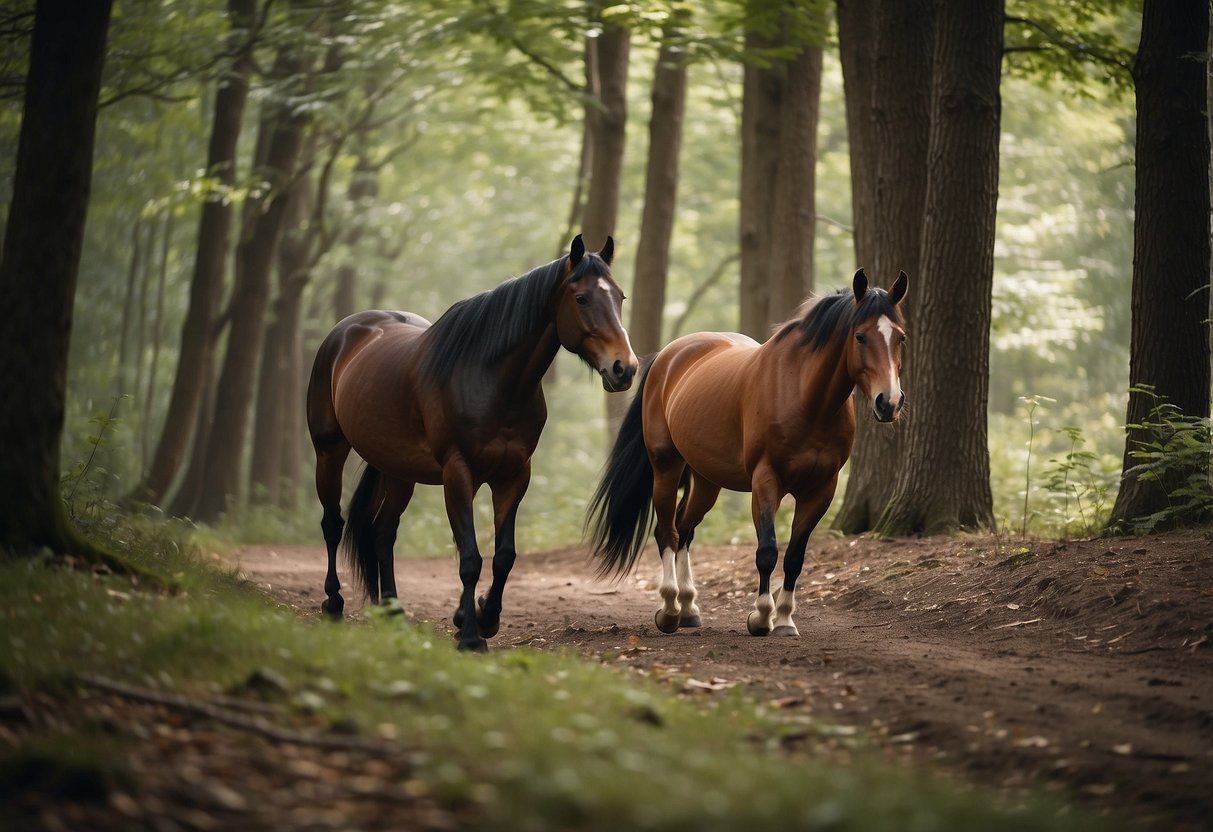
(884, 409)
(618, 377)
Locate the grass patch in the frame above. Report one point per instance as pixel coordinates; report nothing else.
(548, 741)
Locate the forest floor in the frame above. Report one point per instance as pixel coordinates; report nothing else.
(1080, 667)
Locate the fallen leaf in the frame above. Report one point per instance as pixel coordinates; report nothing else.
(1124, 748)
(1012, 606)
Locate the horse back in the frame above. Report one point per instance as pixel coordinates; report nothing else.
(345, 341)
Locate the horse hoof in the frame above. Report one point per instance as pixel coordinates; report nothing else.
(665, 622)
(690, 621)
(759, 626)
(488, 630)
(788, 630)
(333, 607)
(476, 645)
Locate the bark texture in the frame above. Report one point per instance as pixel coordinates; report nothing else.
(891, 234)
(1169, 346)
(943, 482)
(40, 263)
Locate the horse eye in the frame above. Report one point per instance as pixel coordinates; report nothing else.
(860, 338)
(582, 300)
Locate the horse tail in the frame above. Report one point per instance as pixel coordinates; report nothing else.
(621, 512)
(359, 538)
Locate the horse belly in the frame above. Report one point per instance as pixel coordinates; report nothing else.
(382, 423)
(706, 428)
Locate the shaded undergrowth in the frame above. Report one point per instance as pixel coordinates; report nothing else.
(549, 741)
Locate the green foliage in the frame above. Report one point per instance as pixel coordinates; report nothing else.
(1086, 45)
(1081, 485)
(547, 740)
(1070, 494)
(1175, 451)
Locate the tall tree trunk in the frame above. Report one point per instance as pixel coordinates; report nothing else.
(761, 95)
(198, 336)
(899, 135)
(255, 253)
(134, 269)
(39, 267)
(779, 113)
(660, 195)
(857, 33)
(153, 367)
(278, 355)
(364, 188)
(793, 212)
(1169, 344)
(944, 480)
(608, 117)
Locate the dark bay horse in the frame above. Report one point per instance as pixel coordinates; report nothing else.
(457, 404)
(719, 410)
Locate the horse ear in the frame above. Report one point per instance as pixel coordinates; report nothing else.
(608, 251)
(860, 285)
(900, 286)
(576, 252)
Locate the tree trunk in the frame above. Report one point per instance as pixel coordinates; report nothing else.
(278, 358)
(255, 253)
(128, 305)
(660, 197)
(607, 116)
(364, 188)
(608, 125)
(899, 132)
(198, 337)
(1169, 343)
(793, 213)
(39, 266)
(857, 42)
(943, 482)
(153, 367)
(761, 95)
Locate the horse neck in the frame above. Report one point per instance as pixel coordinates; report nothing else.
(525, 364)
(825, 383)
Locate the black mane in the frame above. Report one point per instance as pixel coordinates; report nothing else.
(834, 316)
(479, 330)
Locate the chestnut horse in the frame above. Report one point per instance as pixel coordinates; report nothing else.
(457, 404)
(719, 410)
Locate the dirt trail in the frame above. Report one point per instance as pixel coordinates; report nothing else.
(1082, 666)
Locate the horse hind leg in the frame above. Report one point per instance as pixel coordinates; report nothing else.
(698, 500)
(764, 504)
(665, 497)
(396, 497)
(330, 462)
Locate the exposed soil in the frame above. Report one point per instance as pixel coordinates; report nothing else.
(1079, 666)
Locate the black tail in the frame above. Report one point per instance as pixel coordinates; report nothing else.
(359, 538)
(621, 513)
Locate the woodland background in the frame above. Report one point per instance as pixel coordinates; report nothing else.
(264, 167)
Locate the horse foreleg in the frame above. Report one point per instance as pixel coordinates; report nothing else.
(506, 499)
(764, 504)
(809, 511)
(459, 489)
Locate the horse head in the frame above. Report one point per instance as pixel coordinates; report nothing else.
(588, 321)
(874, 351)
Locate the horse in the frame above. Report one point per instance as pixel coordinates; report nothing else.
(719, 410)
(459, 404)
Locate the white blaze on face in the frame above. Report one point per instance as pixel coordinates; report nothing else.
(888, 329)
